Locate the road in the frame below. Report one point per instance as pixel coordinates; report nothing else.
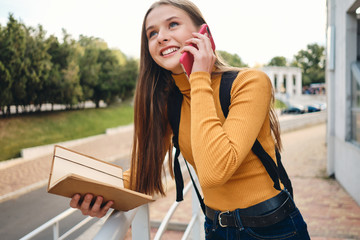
(24, 214)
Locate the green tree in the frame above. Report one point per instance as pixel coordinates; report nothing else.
(106, 87)
(232, 59)
(53, 84)
(278, 61)
(128, 76)
(71, 90)
(38, 62)
(5, 77)
(89, 71)
(312, 63)
(12, 48)
(64, 77)
(85, 41)
(5, 86)
(36, 70)
(88, 64)
(120, 56)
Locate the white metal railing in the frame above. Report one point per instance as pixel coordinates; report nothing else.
(169, 214)
(115, 224)
(54, 223)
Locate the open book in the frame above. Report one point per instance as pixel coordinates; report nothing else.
(72, 172)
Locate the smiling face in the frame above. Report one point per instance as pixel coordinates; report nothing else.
(167, 29)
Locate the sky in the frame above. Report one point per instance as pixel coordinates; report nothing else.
(256, 30)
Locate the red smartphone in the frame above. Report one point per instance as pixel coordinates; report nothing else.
(187, 59)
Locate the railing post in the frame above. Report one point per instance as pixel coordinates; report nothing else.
(141, 223)
(197, 232)
(116, 226)
(56, 230)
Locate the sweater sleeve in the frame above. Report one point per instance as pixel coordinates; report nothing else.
(219, 149)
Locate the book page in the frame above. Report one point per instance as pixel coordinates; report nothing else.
(67, 162)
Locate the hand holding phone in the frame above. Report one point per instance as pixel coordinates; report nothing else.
(187, 59)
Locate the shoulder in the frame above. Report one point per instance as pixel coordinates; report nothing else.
(252, 76)
(253, 80)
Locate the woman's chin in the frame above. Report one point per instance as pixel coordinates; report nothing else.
(175, 69)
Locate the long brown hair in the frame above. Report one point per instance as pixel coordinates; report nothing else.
(151, 128)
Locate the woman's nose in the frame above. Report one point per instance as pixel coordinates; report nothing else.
(163, 37)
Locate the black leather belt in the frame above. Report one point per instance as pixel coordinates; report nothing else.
(263, 214)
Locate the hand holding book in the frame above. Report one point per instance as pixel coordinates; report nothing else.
(93, 185)
(91, 205)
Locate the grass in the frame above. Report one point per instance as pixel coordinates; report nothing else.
(37, 129)
(279, 104)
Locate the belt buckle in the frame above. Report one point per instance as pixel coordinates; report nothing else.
(219, 218)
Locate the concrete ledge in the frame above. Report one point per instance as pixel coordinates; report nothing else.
(294, 122)
(29, 153)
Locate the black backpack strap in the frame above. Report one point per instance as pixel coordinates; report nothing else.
(201, 199)
(283, 174)
(275, 172)
(227, 80)
(268, 163)
(174, 112)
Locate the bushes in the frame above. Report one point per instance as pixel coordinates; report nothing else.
(35, 70)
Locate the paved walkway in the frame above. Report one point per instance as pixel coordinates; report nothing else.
(327, 208)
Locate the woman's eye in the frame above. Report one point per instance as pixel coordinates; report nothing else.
(151, 34)
(173, 24)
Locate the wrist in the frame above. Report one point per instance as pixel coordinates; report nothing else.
(200, 78)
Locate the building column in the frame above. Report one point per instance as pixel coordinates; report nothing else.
(271, 76)
(280, 81)
(298, 84)
(289, 84)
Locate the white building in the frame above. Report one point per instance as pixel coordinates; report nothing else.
(286, 80)
(343, 89)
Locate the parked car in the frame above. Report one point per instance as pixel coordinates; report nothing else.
(313, 109)
(293, 110)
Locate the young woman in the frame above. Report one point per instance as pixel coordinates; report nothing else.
(241, 202)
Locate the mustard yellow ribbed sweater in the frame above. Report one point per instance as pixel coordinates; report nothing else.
(230, 174)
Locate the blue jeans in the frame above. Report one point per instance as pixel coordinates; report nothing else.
(292, 227)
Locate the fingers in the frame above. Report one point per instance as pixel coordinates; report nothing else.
(106, 208)
(202, 41)
(94, 211)
(85, 205)
(91, 206)
(204, 57)
(74, 203)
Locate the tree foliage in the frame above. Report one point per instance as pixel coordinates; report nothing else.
(232, 59)
(35, 70)
(312, 63)
(278, 61)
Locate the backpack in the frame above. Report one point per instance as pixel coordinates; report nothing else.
(276, 172)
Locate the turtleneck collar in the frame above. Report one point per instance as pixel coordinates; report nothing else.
(182, 82)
